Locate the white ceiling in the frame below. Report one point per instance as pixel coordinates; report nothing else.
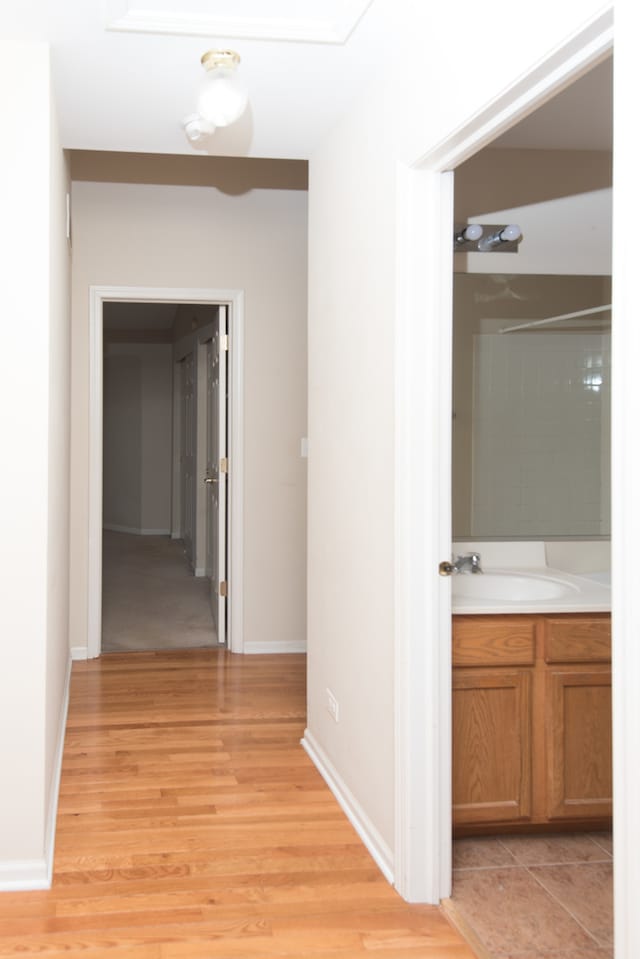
(126, 71)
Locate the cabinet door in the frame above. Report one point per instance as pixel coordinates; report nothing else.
(491, 745)
(579, 743)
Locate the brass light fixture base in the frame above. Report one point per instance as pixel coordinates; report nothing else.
(219, 58)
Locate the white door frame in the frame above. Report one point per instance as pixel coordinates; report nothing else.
(422, 868)
(98, 295)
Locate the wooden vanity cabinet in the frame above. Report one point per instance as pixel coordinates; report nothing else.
(578, 717)
(531, 722)
(493, 660)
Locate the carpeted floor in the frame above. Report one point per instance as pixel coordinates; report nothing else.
(150, 597)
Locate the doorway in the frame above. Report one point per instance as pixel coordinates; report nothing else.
(155, 587)
(187, 337)
(558, 884)
(423, 410)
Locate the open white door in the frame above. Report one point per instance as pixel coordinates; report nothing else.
(188, 455)
(217, 473)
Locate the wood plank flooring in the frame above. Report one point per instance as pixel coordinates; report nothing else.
(192, 824)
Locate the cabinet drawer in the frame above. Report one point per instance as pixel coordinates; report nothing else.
(485, 641)
(578, 640)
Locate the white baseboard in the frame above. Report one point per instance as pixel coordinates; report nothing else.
(352, 809)
(54, 790)
(254, 649)
(34, 874)
(136, 530)
(24, 875)
(79, 652)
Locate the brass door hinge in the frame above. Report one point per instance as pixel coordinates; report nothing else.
(224, 465)
(222, 589)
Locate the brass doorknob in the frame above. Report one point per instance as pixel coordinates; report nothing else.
(446, 568)
(211, 479)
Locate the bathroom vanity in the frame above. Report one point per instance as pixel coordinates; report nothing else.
(531, 703)
(531, 721)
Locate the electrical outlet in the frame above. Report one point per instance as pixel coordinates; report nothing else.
(332, 705)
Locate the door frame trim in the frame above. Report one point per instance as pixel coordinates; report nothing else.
(98, 295)
(422, 865)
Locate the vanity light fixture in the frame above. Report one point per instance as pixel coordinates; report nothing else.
(486, 238)
(222, 99)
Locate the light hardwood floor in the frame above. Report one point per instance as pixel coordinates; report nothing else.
(192, 825)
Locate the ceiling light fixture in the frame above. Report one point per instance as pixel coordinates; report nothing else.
(221, 98)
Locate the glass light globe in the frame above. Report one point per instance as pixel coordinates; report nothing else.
(222, 99)
(511, 233)
(472, 232)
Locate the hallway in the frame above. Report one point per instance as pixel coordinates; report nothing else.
(150, 598)
(192, 825)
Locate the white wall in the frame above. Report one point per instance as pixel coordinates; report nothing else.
(414, 104)
(34, 482)
(351, 450)
(138, 235)
(137, 431)
(58, 664)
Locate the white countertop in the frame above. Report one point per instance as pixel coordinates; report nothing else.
(525, 564)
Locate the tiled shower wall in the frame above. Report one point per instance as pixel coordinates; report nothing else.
(541, 434)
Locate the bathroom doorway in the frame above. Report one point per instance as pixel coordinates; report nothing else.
(532, 332)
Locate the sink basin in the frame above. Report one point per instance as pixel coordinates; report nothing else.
(509, 587)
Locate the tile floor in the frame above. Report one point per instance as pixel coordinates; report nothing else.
(536, 897)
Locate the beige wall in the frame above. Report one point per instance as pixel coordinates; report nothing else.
(195, 236)
(500, 179)
(34, 558)
(137, 411)
(411, 108)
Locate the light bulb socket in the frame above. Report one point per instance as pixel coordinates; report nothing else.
(500, 238)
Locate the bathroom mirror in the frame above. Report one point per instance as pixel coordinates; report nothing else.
(531, 406)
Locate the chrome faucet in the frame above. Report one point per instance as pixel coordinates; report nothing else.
(470, 562)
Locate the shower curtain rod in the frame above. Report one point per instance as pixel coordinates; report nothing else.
(556, 319)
